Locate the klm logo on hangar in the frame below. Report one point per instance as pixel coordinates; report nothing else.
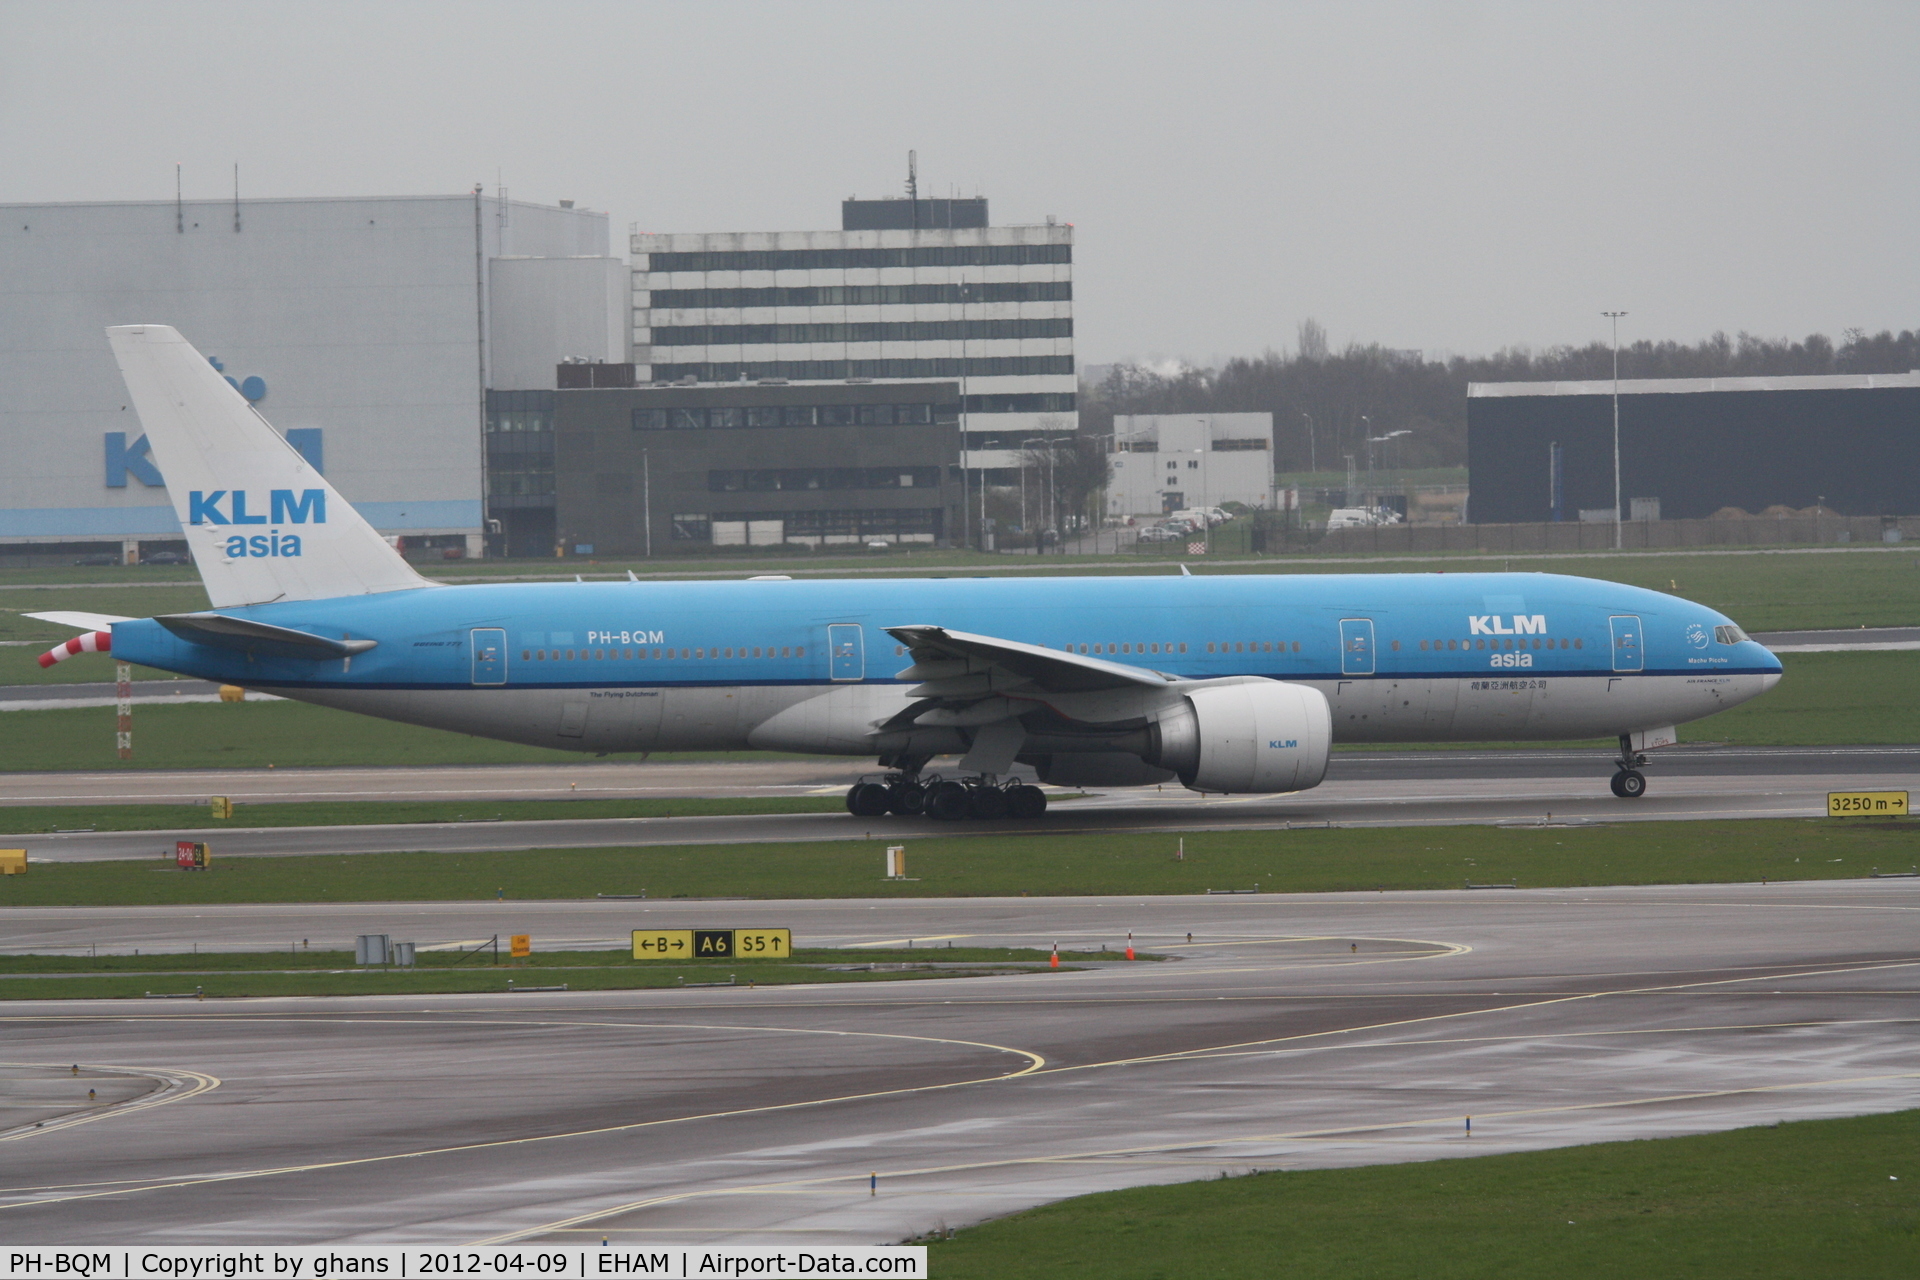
(123, 459)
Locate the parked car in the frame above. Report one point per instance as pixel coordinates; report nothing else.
(167, 557)
(1156, 533)
(99, 558)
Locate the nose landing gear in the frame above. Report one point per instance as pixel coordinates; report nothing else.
(1629, 783)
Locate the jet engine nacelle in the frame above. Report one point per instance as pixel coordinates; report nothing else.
(1246, 737)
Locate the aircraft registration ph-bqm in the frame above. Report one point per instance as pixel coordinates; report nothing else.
(1236, 684)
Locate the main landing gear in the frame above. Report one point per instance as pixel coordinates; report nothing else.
(944, 799)
(1629, 783)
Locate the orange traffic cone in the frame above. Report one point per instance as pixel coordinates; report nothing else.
(1055, 962)
(1129, 946)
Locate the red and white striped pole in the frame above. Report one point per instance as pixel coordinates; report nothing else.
(1129, 946)
(92, 642)
(123, 693)
(1055, 962)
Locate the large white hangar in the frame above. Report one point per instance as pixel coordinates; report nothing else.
(370, 330)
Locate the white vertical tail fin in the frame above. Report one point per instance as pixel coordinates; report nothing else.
(263, 524)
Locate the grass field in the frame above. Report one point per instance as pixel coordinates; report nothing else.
(1826, 1198)
(254, 735)
(25, 819)
(300, 971)
(1826, 698)
(1061, 863)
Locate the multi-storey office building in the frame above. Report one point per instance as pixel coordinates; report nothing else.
(904, 290)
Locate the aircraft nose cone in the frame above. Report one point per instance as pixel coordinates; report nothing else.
(1769, 680)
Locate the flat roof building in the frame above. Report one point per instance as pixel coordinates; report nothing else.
(1693, 447)
(368, 329)
(672, 470)
(1180, 461)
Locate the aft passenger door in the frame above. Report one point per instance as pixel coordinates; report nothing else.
(1356, 646)
(489, 655)
(846, 652)
(1628, 652)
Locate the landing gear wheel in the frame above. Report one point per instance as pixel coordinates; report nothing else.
(988, 803)
(908, 799)
(1026, 802)
(1629, 784)
(949, 803)
(868, 800)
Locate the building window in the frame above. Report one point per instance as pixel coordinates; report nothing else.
(768, 416)
(686, 419)
(649, 419)
(824, 370)
(959, 255)
(813, 478)
(732, 335)
(692, 528)
(860, 295)
(1023, 402)
(1193, 464)
(725, 419)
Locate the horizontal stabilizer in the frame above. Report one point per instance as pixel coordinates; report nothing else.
(225, 632)
(84, 621)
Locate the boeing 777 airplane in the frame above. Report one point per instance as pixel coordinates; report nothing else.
(1235, 684)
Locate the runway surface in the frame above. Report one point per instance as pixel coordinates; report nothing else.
(1372, 789)
(1291, 1032)
(1868, 638)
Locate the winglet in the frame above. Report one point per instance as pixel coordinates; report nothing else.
(1184, 572)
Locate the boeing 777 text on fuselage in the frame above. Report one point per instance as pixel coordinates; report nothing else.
(1226, 683)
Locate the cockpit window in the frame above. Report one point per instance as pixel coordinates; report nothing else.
(1729, 634)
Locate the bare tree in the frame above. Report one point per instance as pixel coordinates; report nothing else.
(1313, 340)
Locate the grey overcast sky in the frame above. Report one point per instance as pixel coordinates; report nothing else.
(1449, 176)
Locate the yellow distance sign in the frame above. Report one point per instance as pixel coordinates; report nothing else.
(712, 944)
(520, 945)
(1866, 804)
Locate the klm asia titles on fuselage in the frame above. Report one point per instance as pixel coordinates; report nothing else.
(283, 507)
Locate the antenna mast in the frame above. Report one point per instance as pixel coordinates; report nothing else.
(913, 189)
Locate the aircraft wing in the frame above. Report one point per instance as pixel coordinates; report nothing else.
(957, 663)
(84, 621)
